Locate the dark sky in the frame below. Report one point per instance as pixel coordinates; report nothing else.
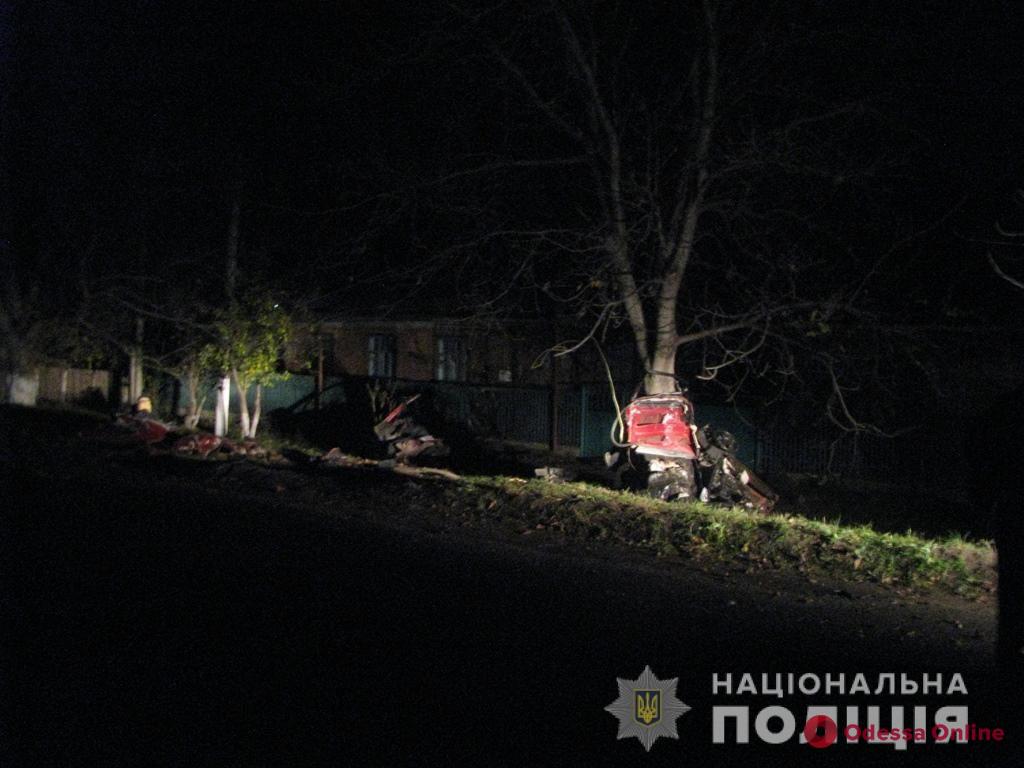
(127, 120)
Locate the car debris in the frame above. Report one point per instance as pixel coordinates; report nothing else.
(687, 462)
(130, 430)
(203, 444)
(555, 474)
(405, 438)
(338, 458)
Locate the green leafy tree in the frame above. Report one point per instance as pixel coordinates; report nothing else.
(251, 336)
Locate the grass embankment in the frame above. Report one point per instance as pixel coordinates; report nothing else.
(692, 530)
(755, 540)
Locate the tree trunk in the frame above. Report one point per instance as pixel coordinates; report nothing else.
(661, 374)
(222, 418)
(135, 373)
(194, 409)
(257, 409)
(243, 402)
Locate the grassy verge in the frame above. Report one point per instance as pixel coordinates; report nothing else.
(757, 541)
(849, 552)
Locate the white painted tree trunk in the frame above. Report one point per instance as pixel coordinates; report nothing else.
(256, 410)
(135, 373)
(223, 410)
(135, 378)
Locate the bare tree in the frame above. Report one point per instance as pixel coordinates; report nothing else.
(1009, 238)
(995, 471)
(681, 186)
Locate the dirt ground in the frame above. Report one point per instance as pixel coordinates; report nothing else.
(173, 611)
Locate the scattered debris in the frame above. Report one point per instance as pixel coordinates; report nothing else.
(202, 444)
(337, 458)
(252, 449)
(405, 469)
(131, 430)
(555, 474)
(149, 431)
(405, 438)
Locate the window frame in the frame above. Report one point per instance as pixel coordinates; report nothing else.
(381, 355)
(451, 358)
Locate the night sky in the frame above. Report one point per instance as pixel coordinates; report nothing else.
(127, 123)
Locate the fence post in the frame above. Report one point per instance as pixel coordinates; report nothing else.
(759, 460)
(554, 406)
(584, 417)
(319, 373)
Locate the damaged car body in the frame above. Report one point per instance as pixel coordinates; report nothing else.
(687, 462)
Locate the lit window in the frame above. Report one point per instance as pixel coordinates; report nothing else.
(382, 356)
(451, 359)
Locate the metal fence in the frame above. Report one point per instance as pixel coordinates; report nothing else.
(849, 455)
(587, 413)
(513, 413)
(68, 385)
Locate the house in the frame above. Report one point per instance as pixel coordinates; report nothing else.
(472, 351)
(495, 378)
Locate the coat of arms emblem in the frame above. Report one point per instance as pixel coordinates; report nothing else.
(647, 708)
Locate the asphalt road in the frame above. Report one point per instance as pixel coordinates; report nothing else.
(152, 621)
